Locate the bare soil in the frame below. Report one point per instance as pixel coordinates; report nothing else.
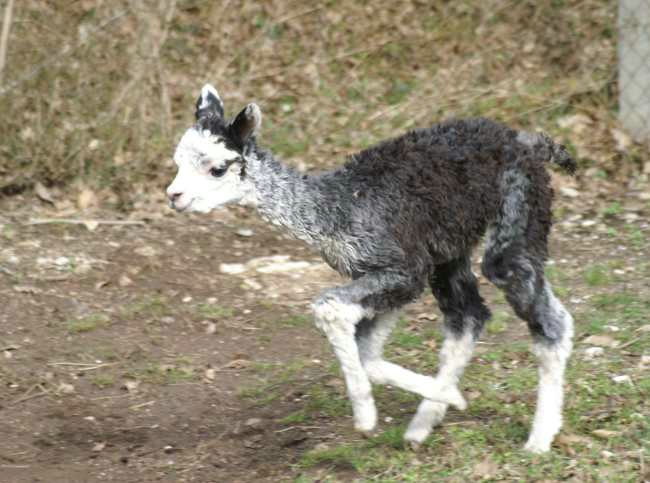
(125, 351)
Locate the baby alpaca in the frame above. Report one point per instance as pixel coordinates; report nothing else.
(397, 216)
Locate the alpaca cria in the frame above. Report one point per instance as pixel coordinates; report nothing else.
(395, 217)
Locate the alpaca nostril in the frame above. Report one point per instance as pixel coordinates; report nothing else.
(173, 196)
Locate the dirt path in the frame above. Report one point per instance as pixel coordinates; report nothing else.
(127, 354)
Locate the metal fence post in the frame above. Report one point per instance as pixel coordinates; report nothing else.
(634, 67)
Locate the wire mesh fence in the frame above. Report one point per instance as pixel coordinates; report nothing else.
(634, 67)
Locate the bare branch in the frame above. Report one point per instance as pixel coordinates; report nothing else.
(4, 36)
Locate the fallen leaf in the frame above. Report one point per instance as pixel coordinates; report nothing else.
(99, 447)
(210, 374)
(91, 225)
(605, 433)
(572, 439)
(578, 123)
(425, 316)
(86, 199)
(569, 192)
(43, 194)
(124, 281)
(131, 386)
(238, 364)
(232, 268)
(623, 140)
(485, 469)
(146, 251)
(65, 388)
(601, 340)
(624, 379)
(593, 352)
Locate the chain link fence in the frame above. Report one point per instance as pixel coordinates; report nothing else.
(634, 67)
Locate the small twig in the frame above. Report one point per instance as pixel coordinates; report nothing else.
(10, 347)
(71, 221)
(99, 366)
(297, 427)
(110, 397)
(4, 36)
(629, 343)
(52, 278)
(138, 406)
(7, 271)
(71, 364)
(15, 466)
(28, 394)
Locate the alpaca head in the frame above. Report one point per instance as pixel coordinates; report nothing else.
(211, 157)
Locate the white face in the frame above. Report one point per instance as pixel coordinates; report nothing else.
(208, 174)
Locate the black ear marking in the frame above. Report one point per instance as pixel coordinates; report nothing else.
(209, 103)
(246, 123)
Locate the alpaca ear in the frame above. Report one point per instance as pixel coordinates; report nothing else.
(209, 103)
(247, 123)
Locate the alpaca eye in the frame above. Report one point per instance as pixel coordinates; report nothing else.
(218, 172)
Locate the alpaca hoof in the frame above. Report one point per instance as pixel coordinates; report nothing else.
(414, 437)
(365, 420)
(537, 447)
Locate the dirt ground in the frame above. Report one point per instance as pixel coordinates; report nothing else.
(127, 354)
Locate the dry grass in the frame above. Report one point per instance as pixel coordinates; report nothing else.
(96, 92)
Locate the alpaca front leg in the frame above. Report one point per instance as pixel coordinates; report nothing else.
(454, 356)
(337, 319)
(371, 336)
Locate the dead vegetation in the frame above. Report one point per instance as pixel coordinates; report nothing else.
(95, 93)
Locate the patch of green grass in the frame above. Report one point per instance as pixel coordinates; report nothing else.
(596, 323)
(343, 456)
(8, 232)
(294, 418)
(498, 323)
(106, 353)
(103, 380)
(212, 311)
(406, 340)
(268, 388)
(148, 306)
(399, 91)
(87, 323)
(167, 374)
(596, 275)
(295, 321)
(636, 237)
(259, 395)
(323, 401)
(390, 438)
(613, 209)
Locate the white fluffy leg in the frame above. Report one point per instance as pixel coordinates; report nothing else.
(552, 363)
(338, 320)
(428, 415)
(454, 356)
(381, 371)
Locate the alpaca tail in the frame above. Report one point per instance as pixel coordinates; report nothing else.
(549, 150)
